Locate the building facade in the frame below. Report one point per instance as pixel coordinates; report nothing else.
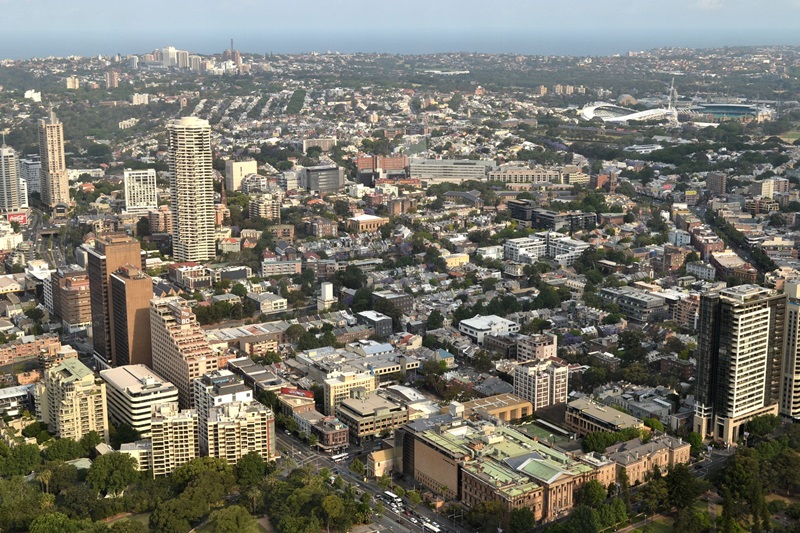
(181, 352)
(11, 185)
(71, 401)
(173, 437)
(543, 383)
(141, 191)
(739, 354)
(132, 391)
(131, 292)
(238, 428)
(192, 189)
(53, 172)
(110, 252)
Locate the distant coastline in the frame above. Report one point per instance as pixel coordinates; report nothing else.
(561, 42)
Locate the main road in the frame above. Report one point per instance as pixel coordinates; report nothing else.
(391, 520)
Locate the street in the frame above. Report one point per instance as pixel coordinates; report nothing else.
(389, 520)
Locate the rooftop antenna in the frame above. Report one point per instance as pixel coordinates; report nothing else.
(231, 46)
(4, 132)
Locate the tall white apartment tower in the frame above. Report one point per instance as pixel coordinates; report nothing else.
(11, 198)
(543, 383)
(739, 359)
(141, 192)
(54, 178)
(790, 365)
(192, 189)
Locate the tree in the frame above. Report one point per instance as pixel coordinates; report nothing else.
(585, 520)
(90, 441)
(333, 507)
(654, 424)
(358, 467)
(193, 469)
(123, 433)
(239, 290)
(435, 319)
(170, 517)
(294, 332)
(696, 440)
(254, 494)
(521, 520)
(128, 526)
(64, 450)
(233, 519)
(250, 469)
(44, 478)
(592, 494)
(682, 486)
(48, 523)
(763, 425)
(654, 495)
(112, 473)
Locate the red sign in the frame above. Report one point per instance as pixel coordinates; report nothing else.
(297, 392)
(22, 218)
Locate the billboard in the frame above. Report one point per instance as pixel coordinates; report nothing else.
(22, 218)
(297, 392)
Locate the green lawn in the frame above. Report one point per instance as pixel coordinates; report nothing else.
(790, 136)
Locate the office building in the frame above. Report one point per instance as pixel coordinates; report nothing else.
(192, 189)
(110, 252)
(215, 389)
(322, 179)
(238, 428)
(181, 352)
(432, 171)
(637, 306)
(371, 415)
(141, 191)
(29, 169)
(132, 391)
(235, 172)
(536, 347)
(585, 416)
(790, 372)
(72, 303)
(11, 197)
(131, 292)
(739, 352)
(173, 436)
(381, 323)
(543, 383)
(71, 401)
(338, 388)
(479, 326)
(54, 178)
(717, 183)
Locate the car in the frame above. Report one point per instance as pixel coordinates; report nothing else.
(414, 520)
(288, 432)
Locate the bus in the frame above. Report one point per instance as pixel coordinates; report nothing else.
(393, 498)
(430, 526)
(339, 458)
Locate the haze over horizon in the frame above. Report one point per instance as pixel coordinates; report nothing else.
(581, 27)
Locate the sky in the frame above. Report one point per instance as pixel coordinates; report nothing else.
(37, 28)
